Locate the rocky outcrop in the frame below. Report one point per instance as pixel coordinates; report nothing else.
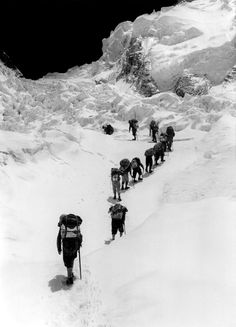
(192, 84)
(135, 69)
(199, 37)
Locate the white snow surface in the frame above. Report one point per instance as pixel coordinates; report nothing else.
(195, 36)
(176, 264)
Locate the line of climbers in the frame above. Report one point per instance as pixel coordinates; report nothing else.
(135, 168)
(133, 126)
(69, 238)
(153, 131)
(120, 176)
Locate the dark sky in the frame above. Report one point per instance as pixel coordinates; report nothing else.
(42, 36)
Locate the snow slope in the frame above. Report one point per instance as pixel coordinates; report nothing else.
(176, 265)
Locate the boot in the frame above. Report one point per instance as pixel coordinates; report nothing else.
(70, 275)
(114, 197)
(113, 237)
(69, 281)
(121, 233)
(119, 199)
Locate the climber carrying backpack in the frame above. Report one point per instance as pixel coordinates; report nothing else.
(163, 140)
(70, 237)
(170, 135)
(118, 213)
(136, 166)
(153, 130)
(125, 169)
(133, 125)
(108, 129)
(115, 180)
(158, 150)
(149, 162)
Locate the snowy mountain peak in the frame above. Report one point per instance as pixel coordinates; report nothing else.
(198, 36)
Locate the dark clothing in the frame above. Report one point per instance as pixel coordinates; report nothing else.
(137, 170)
(108, 129)
(117, 225)
(118, 213)
(163, 140)
(170, 135)
(69, 238)
(149, 163)
(153, 130)
(134, 132)
(159, 154)
(169, 143)
(170, 131)
(154, 138)
(133, 126)
(70, 246)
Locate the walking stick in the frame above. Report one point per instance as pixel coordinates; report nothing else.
(80, 272)
(124, 228)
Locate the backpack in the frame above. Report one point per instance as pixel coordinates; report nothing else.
(133, 123)
(117, 212)
(154, 126)
(134, 163)
(115, 174)
(149, 152)
(157, 147)
(124, 163)
(152, 123)
(69, 226)
(108, 129)
(163, 137)
(170, 131)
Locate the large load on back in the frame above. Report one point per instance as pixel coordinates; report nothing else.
(149, 152)
(154, 125)
(125, 163)
(70, 226)
(133, 123)
(170, 131)
(108, 129)
(135, 163)
(115, 174)
(158, 147)
(117, 211)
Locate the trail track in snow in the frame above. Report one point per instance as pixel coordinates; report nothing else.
(83, 302)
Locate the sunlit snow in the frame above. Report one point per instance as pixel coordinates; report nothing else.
(176, 264)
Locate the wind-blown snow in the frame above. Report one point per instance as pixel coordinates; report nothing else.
(176, 265)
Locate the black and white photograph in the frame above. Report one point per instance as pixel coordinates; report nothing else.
(118, 163)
